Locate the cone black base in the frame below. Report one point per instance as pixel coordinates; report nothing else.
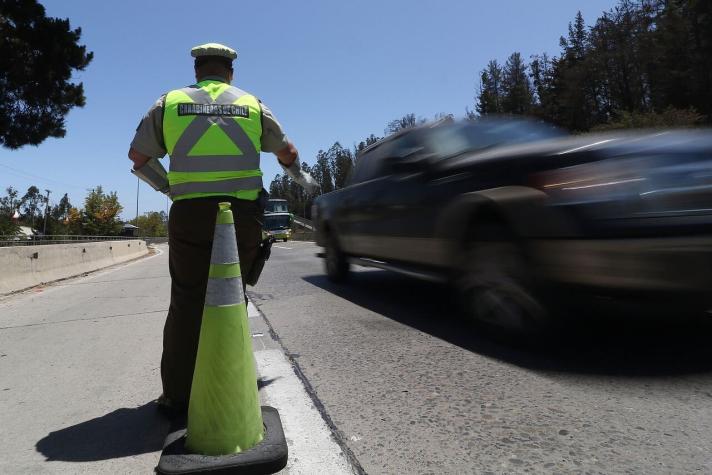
(269, 456)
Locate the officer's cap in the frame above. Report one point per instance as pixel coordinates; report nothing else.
(213, 49)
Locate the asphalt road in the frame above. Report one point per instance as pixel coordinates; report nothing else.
(380, 376)
(407, 387)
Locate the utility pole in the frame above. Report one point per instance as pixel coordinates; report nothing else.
(138, 186)
(44, 228)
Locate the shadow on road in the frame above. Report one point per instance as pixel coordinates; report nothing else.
(121, 433)
(600, 344)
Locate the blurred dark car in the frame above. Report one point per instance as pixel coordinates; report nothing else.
(515, 215)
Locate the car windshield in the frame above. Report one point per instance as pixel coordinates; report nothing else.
(276, 222)
(470, 136)
(274, 206)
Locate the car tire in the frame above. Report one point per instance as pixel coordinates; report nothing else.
(496, 287)
(285, 239)
(336, 263)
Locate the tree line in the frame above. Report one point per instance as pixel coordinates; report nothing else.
(643, 63)
(98, 216)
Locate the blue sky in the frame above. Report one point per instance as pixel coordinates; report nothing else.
(330, 70)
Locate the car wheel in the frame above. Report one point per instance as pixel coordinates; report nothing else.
(496, 287)
(285, 239)
(337, 266)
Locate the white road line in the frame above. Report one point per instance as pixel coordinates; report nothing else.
(311, 446)
(282, 247)
(252, 311)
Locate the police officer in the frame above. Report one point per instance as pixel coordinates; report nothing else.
(213, 133)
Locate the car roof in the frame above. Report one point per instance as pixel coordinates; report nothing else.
(447, 120)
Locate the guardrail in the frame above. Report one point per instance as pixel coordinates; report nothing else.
(9, 241)
(303, 222)
(154, 240)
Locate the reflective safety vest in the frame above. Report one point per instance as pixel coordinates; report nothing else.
(212, 134)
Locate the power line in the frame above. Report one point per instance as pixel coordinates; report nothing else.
(37, 177)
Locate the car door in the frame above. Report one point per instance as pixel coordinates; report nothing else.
(369, 232)
(410, 203)
(355, 211)
(382, 201)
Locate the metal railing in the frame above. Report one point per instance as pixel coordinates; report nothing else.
(22, 240)
(304, 222)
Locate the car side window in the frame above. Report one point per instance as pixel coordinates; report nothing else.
(370, 165)
(365, 168)
(376, 163)
(406, 147)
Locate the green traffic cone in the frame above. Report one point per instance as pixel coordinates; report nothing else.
(224, 415)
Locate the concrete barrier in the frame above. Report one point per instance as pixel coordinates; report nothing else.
(26, 266)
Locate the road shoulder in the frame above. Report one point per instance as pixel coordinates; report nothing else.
(312, 446)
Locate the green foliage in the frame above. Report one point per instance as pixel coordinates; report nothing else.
(516, 89)
(8, 205)
(643, 63)
(370, 140)
(30, 206)
(8, 226)
(37, 57)
(58, 216)
(670, 117)
(322, 172)
(152, 224)
(489, 98)
(99, 217)
(100, 214)
(405, 122)
(331, 172)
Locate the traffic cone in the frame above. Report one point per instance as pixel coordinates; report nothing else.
(224, 411)
(227, 431)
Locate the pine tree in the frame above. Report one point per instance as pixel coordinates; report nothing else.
(341, 164)
(322, 172)
(489, 97)
(516, 90)
(38, 56)
(542, 73)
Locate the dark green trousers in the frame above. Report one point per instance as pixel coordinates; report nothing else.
(190, 238)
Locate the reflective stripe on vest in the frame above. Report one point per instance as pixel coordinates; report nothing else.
(212, 133)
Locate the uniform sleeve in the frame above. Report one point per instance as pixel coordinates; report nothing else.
(149, 133)
(273, 138)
